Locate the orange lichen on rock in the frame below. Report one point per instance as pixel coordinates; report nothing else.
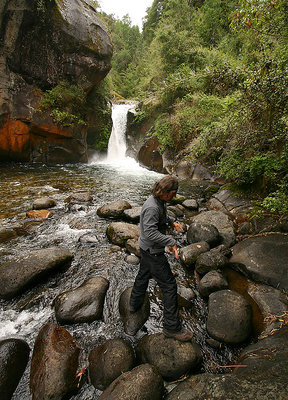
(43, 214)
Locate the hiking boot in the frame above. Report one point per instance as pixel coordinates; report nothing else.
(184, 335)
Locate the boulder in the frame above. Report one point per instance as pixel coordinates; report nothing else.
(229, 317)
(108, 361)
(150, 156)
(212, 282)
(203, 233)
(191, 204)
(19, 273)
(227, 201)
(143, 382)
(132, 259)
(171, 357)
(81, 197)
(189, 254)
(222, 222)
(43, 203)
(89, 239)
(263, 259)
(83, 304)
(14, 356)
(176, 211)
(210, 261)
(263, 376)
(119, 232)
(133, 321)
(114, 209)
(133, 214)
(132, 246)
(54, 364)
(62, 42)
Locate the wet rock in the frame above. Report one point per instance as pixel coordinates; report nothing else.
(7, 234)
(203, 233)
(210, 261)
(189, 254)
(119, 232)
(222, 222)
(150, 156)
(176, 211)
(24, 270)
(191, 204)
(78, 223)
(143, 382)
(41, 214)
(185, 292)
(171, 357)
(133, 214)
(108, 361)
(273, 305)
(89, 239)
(83, 304)
(76, 198)
(43, 203)
(227, 201)
(132, 246)
(114, 209)
(212, 282)
(263, 259)
(14, 356)
(133, 321)
(131, 259)
(54, 364)
(229, 317)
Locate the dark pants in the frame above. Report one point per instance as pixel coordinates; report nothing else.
(157, 267)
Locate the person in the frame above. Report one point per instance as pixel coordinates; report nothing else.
(153, 263)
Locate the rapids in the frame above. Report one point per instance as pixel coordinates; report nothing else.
(106, 180)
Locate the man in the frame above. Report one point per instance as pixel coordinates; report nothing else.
(153, 241)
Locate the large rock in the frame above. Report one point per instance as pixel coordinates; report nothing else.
(189, 254)
(22, 271)
(263, 376)
(209, 261)
(120, 232)
(212, 282)
(54, 364)
(42, 203)
(133, 321)
(171, 357)
(222, 222)
(229, 317)
(143, 382)
(14, 356)
(44, 43)
(114, 209)
(108, 361)
(264, 259)
(203, 232)
(83, 304)
(150, 156)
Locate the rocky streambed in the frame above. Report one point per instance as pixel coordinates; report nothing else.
(73, 288)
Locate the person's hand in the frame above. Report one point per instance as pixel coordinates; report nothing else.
(173, 250)
(178, 227)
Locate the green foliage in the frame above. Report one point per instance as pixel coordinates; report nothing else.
(65, 103)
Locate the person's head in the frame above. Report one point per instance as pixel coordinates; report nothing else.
(166, 188)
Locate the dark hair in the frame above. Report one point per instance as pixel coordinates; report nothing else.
(164, 185)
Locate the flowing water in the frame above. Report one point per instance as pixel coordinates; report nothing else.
(107, 180)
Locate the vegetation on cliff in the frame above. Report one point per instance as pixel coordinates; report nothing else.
(212, 74)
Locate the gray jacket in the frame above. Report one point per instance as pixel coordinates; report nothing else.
(153, 224)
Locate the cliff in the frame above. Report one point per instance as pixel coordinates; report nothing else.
(44, 43)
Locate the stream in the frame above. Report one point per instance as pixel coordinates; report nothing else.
(113, 178)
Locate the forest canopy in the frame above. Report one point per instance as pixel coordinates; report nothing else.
(212, 75)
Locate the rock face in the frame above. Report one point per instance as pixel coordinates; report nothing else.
(108, 361)
(171, 357)
(54, 364)
(83, 304)
(229, 317)
(143, 382)
(24, 270)
(14, 356)
(264, 259)
(44, 43)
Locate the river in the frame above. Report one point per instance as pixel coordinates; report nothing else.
(107, 180)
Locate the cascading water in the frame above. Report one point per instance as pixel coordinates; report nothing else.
(117, 142)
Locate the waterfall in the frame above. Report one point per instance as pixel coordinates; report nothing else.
(117, 142)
